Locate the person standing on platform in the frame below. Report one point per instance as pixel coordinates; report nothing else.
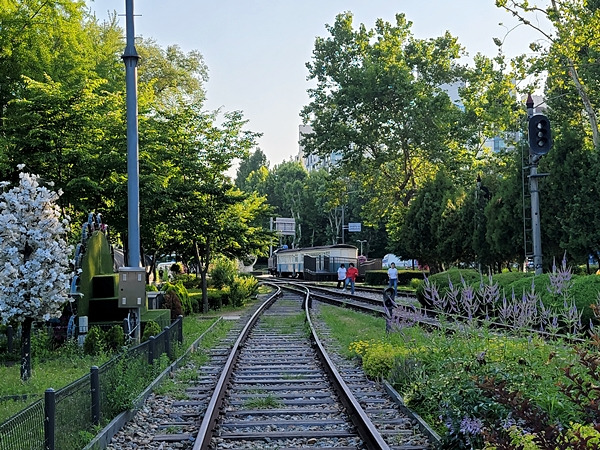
(341, 276)
(351, 275)
(393, 278)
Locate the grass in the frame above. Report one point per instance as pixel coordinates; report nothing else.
(267, 402)
(285, 325)
(58, 369)
(437, 372)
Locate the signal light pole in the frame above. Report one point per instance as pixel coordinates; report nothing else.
(540, 142)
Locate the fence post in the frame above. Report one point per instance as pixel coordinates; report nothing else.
(126, 329)
(95, 385)
(168, 342)
(10, 335)
(151, 349)
(50, 418)
(180, 329)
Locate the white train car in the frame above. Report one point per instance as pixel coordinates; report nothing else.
(312, 263)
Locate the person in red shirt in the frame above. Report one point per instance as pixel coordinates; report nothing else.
(351, 275)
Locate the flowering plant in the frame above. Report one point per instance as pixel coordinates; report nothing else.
(34, 254)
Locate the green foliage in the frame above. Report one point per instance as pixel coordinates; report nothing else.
(125, 380)
(176, 268)
(223, 272)
(173, 303)
(378, 358)
(242, 288)
(182, 294)
(189, 281)
(217, 298)
(151, 288)
(150, 329)
(115, 338)
(376, 277)
(455, 276)
(95, 342)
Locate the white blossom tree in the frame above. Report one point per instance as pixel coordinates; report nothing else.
(34, 257)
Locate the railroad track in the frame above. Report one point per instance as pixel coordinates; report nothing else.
(274, 388)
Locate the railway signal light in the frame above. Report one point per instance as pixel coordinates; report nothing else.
(540, 134)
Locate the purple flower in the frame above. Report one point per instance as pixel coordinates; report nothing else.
(471, 426)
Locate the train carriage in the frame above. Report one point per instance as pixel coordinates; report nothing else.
(312, 263)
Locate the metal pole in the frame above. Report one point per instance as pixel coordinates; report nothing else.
(130, 58)
(535, 217)
(49, 419)
(151, 349)
(535, 200)
(168, 343)
(343, 222)
(95, 388)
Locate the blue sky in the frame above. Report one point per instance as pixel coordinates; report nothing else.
(256, 50)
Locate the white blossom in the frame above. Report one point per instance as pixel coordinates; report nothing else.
(34, 285)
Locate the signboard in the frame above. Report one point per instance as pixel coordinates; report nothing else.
(354, 226)
(285, 226)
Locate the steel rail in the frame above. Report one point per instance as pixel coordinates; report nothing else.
(214, 407)
(367, 431)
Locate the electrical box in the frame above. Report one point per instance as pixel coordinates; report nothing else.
(132, 287)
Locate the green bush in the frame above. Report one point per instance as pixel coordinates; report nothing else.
(242, 288)
(173, 303)
(376, 277)
(217, 298)
(151, 288)
(586, 291)
(189, 281)
(222, 273)
(416, 283)
(182, 294)
(94, 343)
(406, 276)
(150, 329)
(115, 338)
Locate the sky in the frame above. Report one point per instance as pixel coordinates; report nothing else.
(256, 50)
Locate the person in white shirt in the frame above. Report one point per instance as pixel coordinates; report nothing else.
(393, 278)
(341, 276)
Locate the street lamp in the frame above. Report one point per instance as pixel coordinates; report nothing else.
(361, 243)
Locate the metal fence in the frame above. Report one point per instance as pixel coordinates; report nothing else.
(66, 419)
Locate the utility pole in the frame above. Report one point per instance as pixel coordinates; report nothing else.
(131, 58)
(540, 142)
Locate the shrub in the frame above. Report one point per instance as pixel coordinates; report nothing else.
(94, 343)
(150, 329)
(189, 281)
(217, 298)
(173, 303)
(242, 288)
(406, 276)
(182, 294)
(223, 272)
(416, 283)
(376, 277)
(115, 337)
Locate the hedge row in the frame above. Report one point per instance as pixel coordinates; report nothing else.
(380, 277)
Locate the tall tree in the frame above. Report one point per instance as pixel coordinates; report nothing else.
(380, 102)
(571, 33)
(254, 162)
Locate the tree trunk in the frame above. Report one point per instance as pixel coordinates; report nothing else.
(203, 268)
(26, 349)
